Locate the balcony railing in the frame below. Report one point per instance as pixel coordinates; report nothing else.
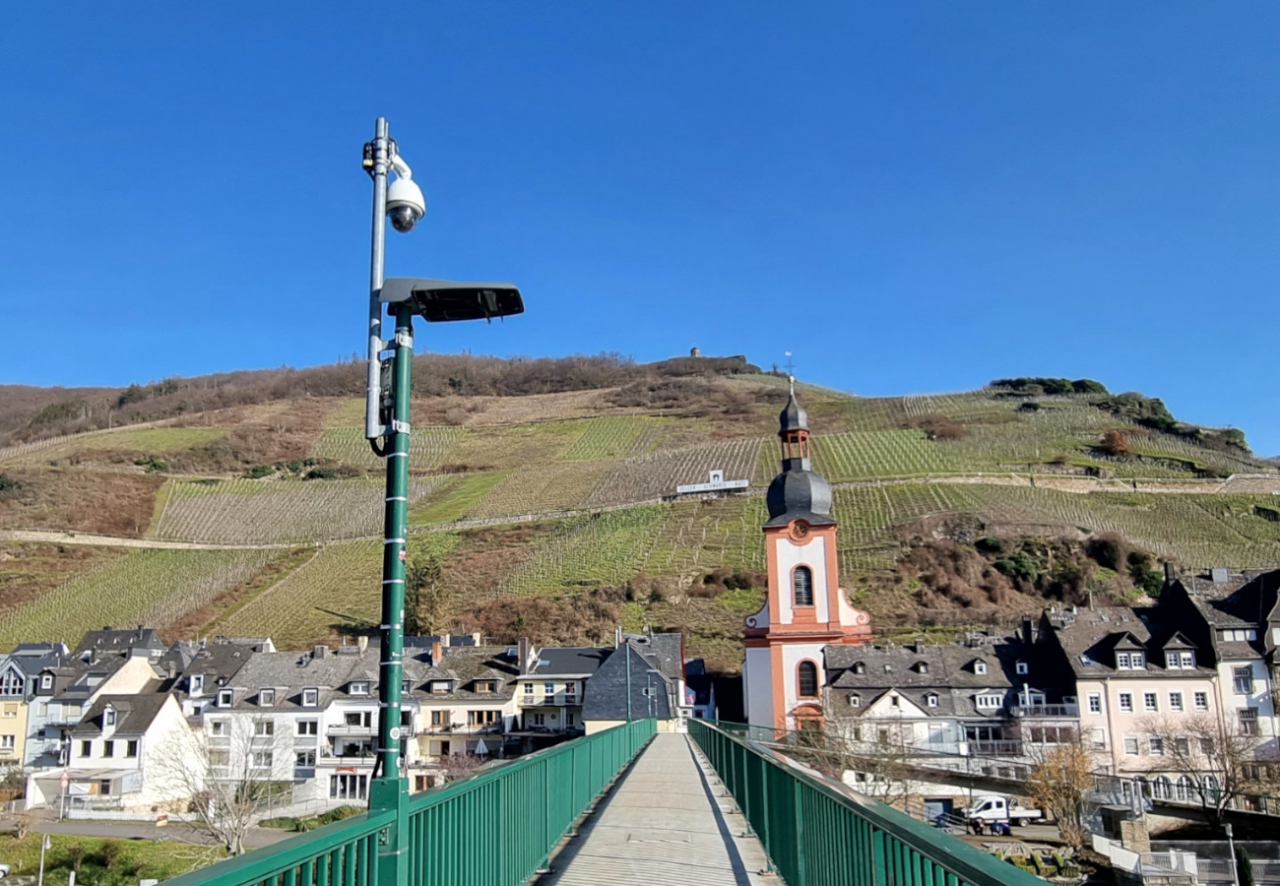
(351, 729)
(995, 748)
(1047, 710)
(365, 759)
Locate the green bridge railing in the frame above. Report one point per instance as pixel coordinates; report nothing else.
(817, 834)
(493, 829)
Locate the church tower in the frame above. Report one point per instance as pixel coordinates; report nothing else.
(806, 609)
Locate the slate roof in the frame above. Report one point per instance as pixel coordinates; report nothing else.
(32, 658)
(288, 673)
(605, 697)
(917, 671)
(570, 661)
(1090, 638)
(120, 640)
(464, 666)
(134, 714)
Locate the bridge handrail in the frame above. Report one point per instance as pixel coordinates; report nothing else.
(486, 830)
(818, 833)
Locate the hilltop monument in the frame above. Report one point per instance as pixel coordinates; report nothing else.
(806, 610)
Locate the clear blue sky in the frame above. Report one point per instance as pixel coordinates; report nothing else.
(912, 197)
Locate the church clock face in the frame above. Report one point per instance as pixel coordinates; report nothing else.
(799, 530)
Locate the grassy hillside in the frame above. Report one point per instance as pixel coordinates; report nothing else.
(553, 513)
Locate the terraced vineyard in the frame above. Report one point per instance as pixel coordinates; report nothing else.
(608, 549)
(429, 447)
(154, 587)
(603, 475)
(657, 474)
(243, 512)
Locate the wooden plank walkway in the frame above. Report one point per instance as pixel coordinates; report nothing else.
(668, 820)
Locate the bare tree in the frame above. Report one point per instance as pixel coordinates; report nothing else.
(1059, 783)
(1219, 761)
(873, 757)
(229, 779)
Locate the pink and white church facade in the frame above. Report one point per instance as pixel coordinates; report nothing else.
(806, 610)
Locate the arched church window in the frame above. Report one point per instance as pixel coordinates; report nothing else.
(802, 584)
(808, 679)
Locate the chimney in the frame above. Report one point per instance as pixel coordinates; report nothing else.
(475, 638)
(170, 670)
(522, 653)
(363, 643)
(1170, 573)
(444, 640)
(617, 636)
(437, 652)
(319, 651)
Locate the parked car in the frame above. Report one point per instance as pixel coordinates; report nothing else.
(998, 809)
(4, 871)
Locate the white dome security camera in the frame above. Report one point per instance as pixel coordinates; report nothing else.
(405, 203)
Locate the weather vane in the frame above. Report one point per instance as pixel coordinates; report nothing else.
(791, 367)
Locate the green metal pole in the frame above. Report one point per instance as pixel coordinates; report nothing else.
(391, 789)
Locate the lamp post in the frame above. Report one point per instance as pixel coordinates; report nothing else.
(387, 427)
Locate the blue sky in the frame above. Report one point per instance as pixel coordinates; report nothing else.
(911, 197)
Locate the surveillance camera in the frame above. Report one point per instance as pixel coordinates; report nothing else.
(405, 204)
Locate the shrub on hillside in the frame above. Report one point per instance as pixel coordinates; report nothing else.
(1039, 385)
(1114, 443)
(938, 427)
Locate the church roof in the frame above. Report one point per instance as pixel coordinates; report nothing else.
(799, 494)
(793, 416)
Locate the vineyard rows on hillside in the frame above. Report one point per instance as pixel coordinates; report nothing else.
(153, 587)
(338, 592)
(606, 549)
(429, 447)
(658, 474)
(267, 511)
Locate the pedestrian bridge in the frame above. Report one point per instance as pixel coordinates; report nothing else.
(627, 806)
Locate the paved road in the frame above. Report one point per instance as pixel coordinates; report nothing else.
(663, 823)
(130, 830)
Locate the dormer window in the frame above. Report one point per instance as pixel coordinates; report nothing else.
(855, 700)
(1180, 661)
(1130, 661)
(922, 667)
(109, 717)
(439, 687)
(197, 684)
(931, 700)
(46, 681)
(859, 667)
(404, 687)
(988, 702)
(488, 687)
(224, 698)
(888, 669)
(310, 698)
(980, 667)
(267, 698)
(360, 687)
(802, 585)
(1021, 667)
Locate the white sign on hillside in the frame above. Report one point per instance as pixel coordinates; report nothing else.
(718, 484)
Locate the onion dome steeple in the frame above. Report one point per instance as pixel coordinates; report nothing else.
(797, 493)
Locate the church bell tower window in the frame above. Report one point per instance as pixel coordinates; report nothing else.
(808, 679)
(802, 584)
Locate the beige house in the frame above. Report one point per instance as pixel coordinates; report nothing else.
(1136, 680)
